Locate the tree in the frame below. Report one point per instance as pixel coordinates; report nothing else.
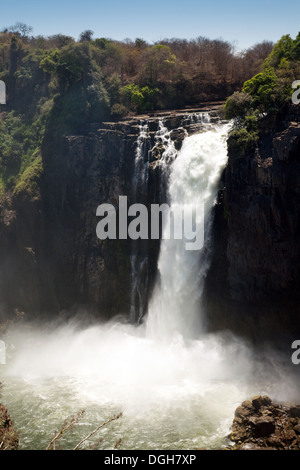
(262, 89)
(296, 48)
(268, 90)
(140, 43)
(159, 64)
(21, 28)
(282, 49)
(59, 40)
(238, 104)
(139, 98)
(86, 35)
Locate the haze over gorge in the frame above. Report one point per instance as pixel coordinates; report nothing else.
(159, 338)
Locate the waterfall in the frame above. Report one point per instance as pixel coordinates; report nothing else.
(140, 174)
(138, 259)
(177, 387)
(193, 180)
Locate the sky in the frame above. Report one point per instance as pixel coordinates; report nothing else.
(241, 22)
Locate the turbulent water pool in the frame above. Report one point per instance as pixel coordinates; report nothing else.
(173, 395)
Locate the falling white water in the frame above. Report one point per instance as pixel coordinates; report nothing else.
(162, 138)
(141, 160)
(193, 181)
(139, 268)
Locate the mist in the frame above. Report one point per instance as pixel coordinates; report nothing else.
(184, 390)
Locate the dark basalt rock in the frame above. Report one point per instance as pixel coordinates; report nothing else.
(253, 283)
(260, 424)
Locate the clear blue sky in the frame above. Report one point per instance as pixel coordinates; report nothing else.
(244, 22)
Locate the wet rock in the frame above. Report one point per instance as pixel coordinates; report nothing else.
(295, 412)
(252, 285)
(178, 136)
(258, 401)
(261, 424)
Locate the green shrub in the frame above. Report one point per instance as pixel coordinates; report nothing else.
(139, 98)
(242, 141)
(263, 87)
(238, 104)
(28, 184)
(118, 111)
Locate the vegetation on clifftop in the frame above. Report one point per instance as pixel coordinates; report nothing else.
(264, 95)
(59, 85)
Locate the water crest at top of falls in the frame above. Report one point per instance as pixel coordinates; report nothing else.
(193, 180)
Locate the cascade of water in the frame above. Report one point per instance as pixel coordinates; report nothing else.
(193, 180)
(162, 139)
(140, 174)
(139, 262)
(194, 119)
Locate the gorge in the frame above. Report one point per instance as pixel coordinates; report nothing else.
(175, 340)
(51, 259)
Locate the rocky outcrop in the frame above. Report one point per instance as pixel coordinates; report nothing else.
(260, 424)
(8, 437)
(254, 279)
(20, 238)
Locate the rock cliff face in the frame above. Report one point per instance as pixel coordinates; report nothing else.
(254, 280)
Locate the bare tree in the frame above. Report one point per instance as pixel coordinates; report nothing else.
(21, 28)
(69, 424)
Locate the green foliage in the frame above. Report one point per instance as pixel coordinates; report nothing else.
(242, 141)
(113, 87)
(74, 63)
(269, 90)
(118, 111)
(50, 63)
(139, 98)
(82, 96)
(238, 105)
(77, 106)
(263, 94)
(28, 184)
(86, 35)
(132, 96)
(19, 140)
(159, 62)
(264, 88)
(140, 43)
(101, 42)
(295, 52)
(283, 48)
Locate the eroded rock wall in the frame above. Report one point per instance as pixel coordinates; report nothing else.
(254, 280)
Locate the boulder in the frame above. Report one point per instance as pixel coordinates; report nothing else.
(261, 424)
